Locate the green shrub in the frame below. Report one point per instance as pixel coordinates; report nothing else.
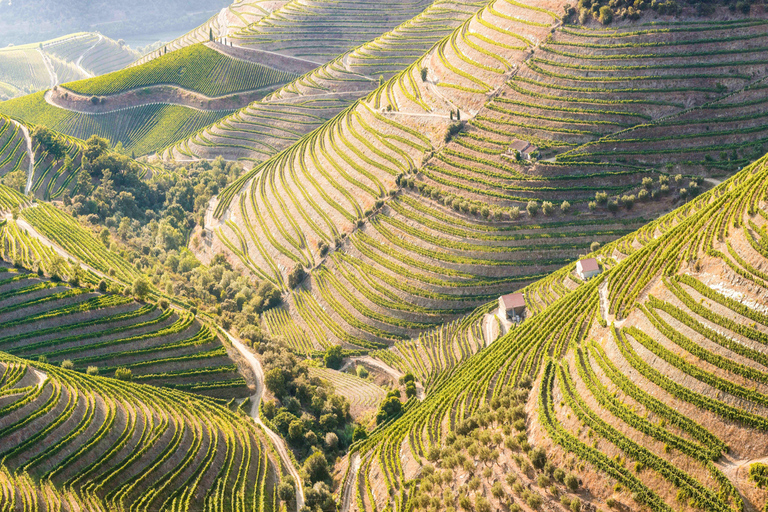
(571, 482)
(333, 357)
(123, 374)
(92, 370)
(296, 276)
(67, 364)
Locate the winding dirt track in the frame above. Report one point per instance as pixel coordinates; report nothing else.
(255, 401)
(349, 485)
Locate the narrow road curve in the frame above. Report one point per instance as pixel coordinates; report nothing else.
(223, 23)
(384, 367)
(31, 231)
(30, 155)
(255, 401)
(80, 59)
(349, 485)
(49, 67)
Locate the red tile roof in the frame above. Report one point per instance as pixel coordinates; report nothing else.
(513, 300)
(589, 265)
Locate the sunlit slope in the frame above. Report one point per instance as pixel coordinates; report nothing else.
(29, 68)
(110, 331)
(71, 440)
(652, 374)
(410, 231)
(317, 30)
(266, 127)
(48, 178)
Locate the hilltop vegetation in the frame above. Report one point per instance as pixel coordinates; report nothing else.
(198, 68)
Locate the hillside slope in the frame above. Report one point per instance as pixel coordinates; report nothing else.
(443, 227)
(649, 379)
(73, 440)
(29, 68)
(253, 135)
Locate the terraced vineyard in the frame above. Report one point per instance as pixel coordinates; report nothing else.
(363, 396)
(142, 129)
(160, 347)
(410, 232)
(197, 68)
(114, 445)
(23, 69)
(319, 31)
(321, 94)
(648, 374)
(13, 146)
(93, 53)
(50, 178)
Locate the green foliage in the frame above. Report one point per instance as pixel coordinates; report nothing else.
(333, 357)
(390, 407)
(123, 374)
(195, 67)
(316, 468)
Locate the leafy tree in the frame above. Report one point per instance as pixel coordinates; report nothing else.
(296, 276)
(606, 15)
(331, 440)
(333, 357)
(571, 482)
(390, 407)
(286, 490)
(95, 147)
(275, 381)
(538, 457)
(359, 434)
(316, 467)
(296, 430)
(141, 287)
(50, 142)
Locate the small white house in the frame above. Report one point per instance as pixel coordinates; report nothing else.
(587, 269)
(512, 305)
(521, 147)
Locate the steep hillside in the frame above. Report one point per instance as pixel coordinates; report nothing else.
(152, 106)
(406, 225)
(29, 68)
(648, 381)
(160, 347)
(319, 31)
(32, 167)
(252, 134)
(74, 440)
